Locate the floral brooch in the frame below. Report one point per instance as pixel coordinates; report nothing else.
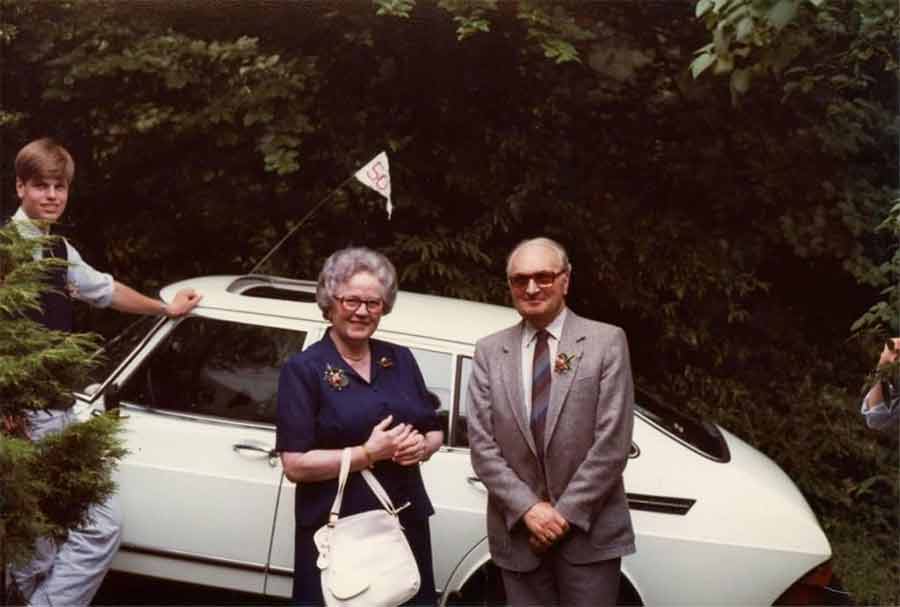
(336, 378)
(385, 362)
(563, 362)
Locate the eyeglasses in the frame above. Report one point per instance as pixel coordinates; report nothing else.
(543, 280)
(352, 304)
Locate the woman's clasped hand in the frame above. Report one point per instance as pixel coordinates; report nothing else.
(402, 444)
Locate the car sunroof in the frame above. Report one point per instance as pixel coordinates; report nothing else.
(283, 294)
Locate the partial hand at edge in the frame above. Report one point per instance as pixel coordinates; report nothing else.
(889, 355)
(15, 426)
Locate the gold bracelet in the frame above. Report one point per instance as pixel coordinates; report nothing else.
(369, 461)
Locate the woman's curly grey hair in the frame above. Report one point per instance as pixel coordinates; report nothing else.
(344, 264)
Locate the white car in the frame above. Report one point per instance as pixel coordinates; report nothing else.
(205, 500)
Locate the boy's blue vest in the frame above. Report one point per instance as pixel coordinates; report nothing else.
(56, 305)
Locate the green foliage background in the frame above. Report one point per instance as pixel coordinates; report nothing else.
(723, 171)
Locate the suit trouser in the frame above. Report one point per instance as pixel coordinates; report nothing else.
(556, 581)
(70, 574)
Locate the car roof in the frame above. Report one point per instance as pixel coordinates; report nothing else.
(431, 316)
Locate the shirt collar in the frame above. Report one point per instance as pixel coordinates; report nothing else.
(554, 328)
(26, 227)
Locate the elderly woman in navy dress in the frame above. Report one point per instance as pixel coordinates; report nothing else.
(349, 390)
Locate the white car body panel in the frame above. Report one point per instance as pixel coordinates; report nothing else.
(460, 503)
(197, 510)
(713, 537)
(203, 494)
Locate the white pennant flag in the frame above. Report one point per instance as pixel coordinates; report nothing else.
(377, 175)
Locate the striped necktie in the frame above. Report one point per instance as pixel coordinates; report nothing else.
(540, 390)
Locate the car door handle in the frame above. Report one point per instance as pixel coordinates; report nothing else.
(269, 453)
(115, 413)
(475, 482)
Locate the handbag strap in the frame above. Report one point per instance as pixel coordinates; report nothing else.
(370, 479)
(379, 492)
(342, 483)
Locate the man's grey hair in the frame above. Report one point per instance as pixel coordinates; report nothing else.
(344, 264)
(545, 242)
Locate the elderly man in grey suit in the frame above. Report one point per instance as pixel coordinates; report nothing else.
(551, 415)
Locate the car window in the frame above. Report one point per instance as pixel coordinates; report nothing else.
(700, 435)
(213, 367)
(437, 369)
(118, 348)
(461, 426)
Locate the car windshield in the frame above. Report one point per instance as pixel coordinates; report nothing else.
(116, 349)
(701, 436)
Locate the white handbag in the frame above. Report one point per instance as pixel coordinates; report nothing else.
(364, 558)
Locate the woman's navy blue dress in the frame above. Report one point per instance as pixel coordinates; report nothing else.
(314, 414)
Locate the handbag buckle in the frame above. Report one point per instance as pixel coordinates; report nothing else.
(396, 511)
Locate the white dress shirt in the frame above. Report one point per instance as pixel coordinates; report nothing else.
(529, 339)
(84, 282)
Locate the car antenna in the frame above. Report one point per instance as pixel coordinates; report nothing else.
(374, 174)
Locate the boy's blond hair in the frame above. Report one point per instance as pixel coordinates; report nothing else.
(42, 159)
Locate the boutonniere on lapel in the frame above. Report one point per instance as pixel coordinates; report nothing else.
(563, 362)
(385, 362)
(336, 378)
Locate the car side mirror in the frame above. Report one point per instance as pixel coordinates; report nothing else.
(111, 399)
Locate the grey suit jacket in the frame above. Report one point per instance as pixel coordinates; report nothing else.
(587, 441)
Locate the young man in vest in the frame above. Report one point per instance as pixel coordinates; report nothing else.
(71, 573)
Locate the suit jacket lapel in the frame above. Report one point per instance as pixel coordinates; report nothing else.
(571, 345)
(511, 372)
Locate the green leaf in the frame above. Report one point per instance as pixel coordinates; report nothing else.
(394, 8)
(468, 27)
(864, 486)
(702, 7)
(724, 64)
(740, 81)
(722, 5)
(560, 50)
(782, 13)
(701, 62)
(744, 28)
